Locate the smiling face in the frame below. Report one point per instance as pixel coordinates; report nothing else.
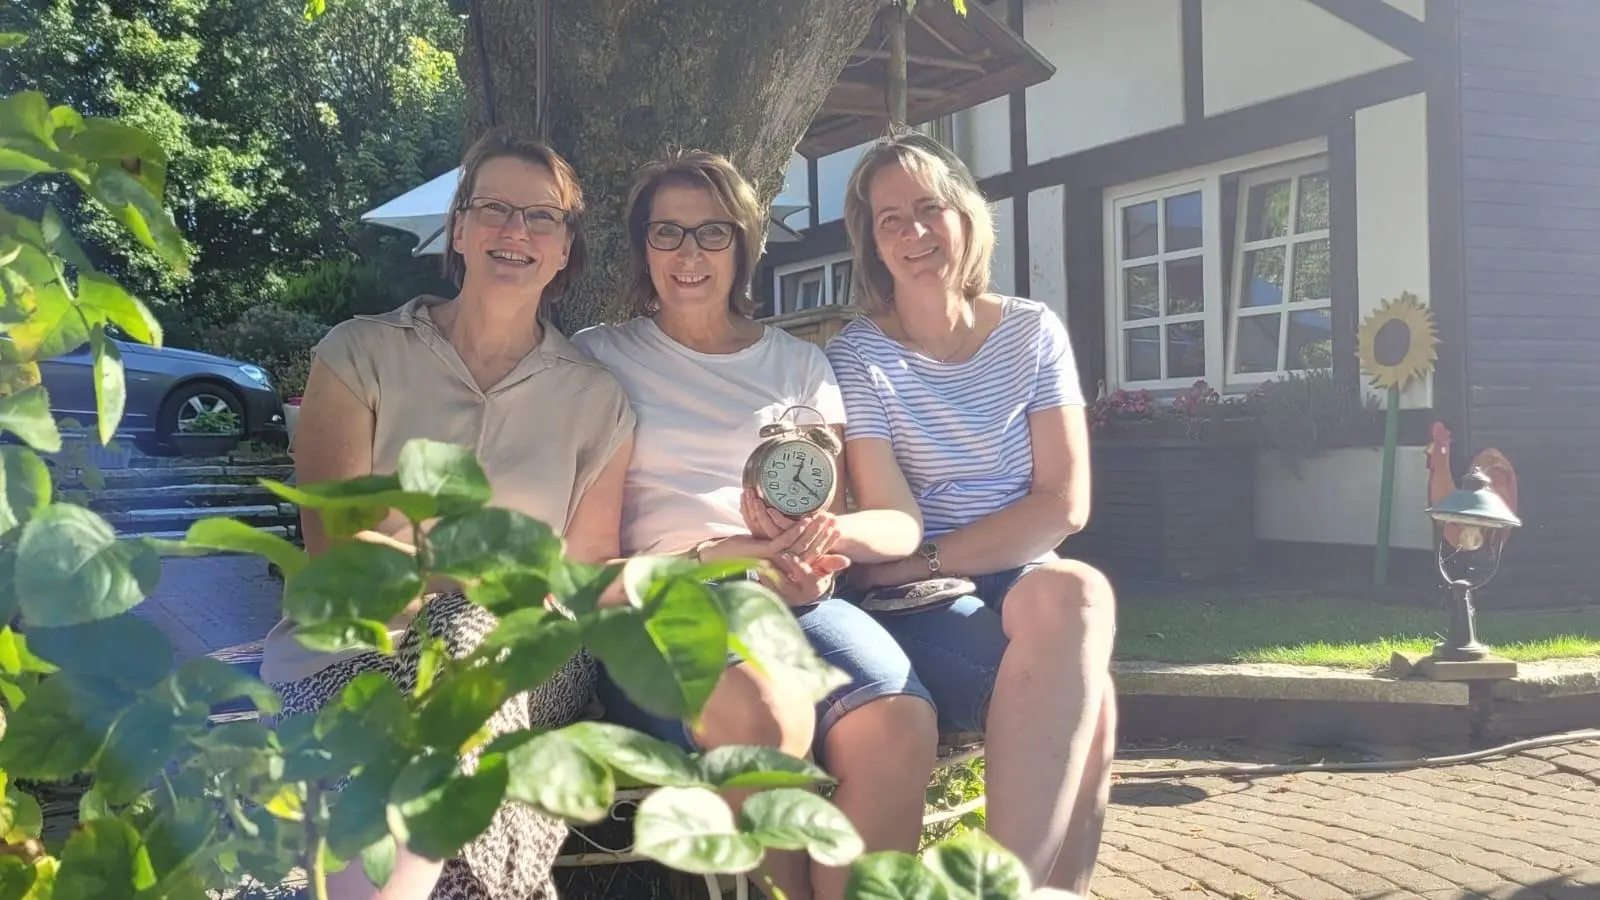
(497, 247)
(690, 275)
(920, 238)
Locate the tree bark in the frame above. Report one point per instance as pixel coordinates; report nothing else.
(631, 79)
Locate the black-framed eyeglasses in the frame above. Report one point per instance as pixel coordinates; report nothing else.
(710, 236)
(539, 218)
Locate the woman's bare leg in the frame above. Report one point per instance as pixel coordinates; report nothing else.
(882, 755)
(413, 878)
(1047, 769)
(746, 709)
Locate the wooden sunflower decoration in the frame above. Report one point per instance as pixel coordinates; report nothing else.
(1397, 344)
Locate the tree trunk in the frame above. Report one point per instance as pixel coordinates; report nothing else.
(631, 79)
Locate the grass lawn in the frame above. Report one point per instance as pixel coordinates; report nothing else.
(1208, 625)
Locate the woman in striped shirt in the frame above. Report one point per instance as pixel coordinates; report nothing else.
(977, 396)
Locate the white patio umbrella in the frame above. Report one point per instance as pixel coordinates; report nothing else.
(421, 211)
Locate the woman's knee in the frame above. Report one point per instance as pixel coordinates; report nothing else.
(747, 708)
(899, 732)
(1063, 601)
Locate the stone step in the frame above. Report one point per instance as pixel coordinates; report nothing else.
(209, 474)
(279, 530)
(171, 495)
(146, 520)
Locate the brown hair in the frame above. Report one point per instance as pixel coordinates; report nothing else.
(871, 285)
(710, 172)
(496, 143)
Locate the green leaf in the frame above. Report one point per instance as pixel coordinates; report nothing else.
(140, 745)
(644, 759)
(339, 635)
(50, 737)
(112, 143)
(668, 656)
(890, 875)
(579, 585)
(359, 815)
(763, 630)
(218, 533)
(17, 658)
(430, 660)
(26, 414)
(435, 810)
(110, 388)
(735, 767)
(793, 819)
(377, 860)
(369, 719)
(352, 580)
(202, 679)
(59, 237)
(126, 649)
(977, 868)
(72, 569)
(552, 773)
(358, 497)
(105, 296)
(55, 327)
(25, 487)
(16, 878)
(244, 750)
(459, 705)
(21, 818)
(11, 40)
(315, 8)
(179, 834)
(449, 473)
(528, 647)
(692, 830)
(509, 591)
(103, 859)
(93, 805)
(139, 211)
(26, 113)
(489, 541)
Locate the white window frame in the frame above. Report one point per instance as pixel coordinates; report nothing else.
(1292, 172)
(1209, 180)
(824, 263)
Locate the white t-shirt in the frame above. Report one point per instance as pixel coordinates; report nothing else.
(699, 417)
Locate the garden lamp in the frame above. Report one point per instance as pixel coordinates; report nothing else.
(1484, 518)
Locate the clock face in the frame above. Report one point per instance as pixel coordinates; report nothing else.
(796, 477)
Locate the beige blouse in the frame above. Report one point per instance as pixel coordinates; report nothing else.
(542, 434)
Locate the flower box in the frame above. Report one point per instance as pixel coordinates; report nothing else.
(1171, 508)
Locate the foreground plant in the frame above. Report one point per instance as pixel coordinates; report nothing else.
(177, 804)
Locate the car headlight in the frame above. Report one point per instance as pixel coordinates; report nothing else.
(255, 373)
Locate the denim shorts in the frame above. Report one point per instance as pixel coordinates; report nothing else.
(948, 656)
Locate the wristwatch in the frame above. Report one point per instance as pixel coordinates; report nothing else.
(929, 551)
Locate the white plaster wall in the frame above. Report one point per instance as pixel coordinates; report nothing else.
(983, 136)
(1392, 212)
(1002, 270)
(1256, 50)
(1414, 8)
(1047, 256)
(1334, 499)
(833, 175)
(1119, 72)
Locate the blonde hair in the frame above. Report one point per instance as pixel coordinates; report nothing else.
(497, 143)
(948, 177)
(706, 171)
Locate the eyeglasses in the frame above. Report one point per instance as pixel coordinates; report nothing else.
(710, 236)
(537, 219)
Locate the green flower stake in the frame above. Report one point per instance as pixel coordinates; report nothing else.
(1396, 345)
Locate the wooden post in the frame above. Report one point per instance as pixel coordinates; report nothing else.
(897, 65)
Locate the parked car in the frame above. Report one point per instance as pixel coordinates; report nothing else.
(167, 388)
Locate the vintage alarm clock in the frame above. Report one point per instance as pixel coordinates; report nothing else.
(795, 468)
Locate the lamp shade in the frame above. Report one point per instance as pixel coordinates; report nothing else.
(1474, 504)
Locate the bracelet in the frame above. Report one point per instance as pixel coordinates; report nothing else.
(697, 552)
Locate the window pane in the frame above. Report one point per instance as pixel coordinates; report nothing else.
(1144, 353)
(1141, 292)
(1268, 211)
(1186, 289)
(1184, 231)
(1139, 235)
(1263, 277)
(1310, 339)
(1186, 350)
(1311, 271)
(1258, 344)
(841, 283)
(1313, 203)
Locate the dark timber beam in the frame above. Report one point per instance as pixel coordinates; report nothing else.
(1384, 22)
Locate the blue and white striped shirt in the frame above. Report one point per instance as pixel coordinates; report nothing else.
(959, 430)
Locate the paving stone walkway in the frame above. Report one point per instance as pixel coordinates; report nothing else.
(210, 602)
(1525, 827)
